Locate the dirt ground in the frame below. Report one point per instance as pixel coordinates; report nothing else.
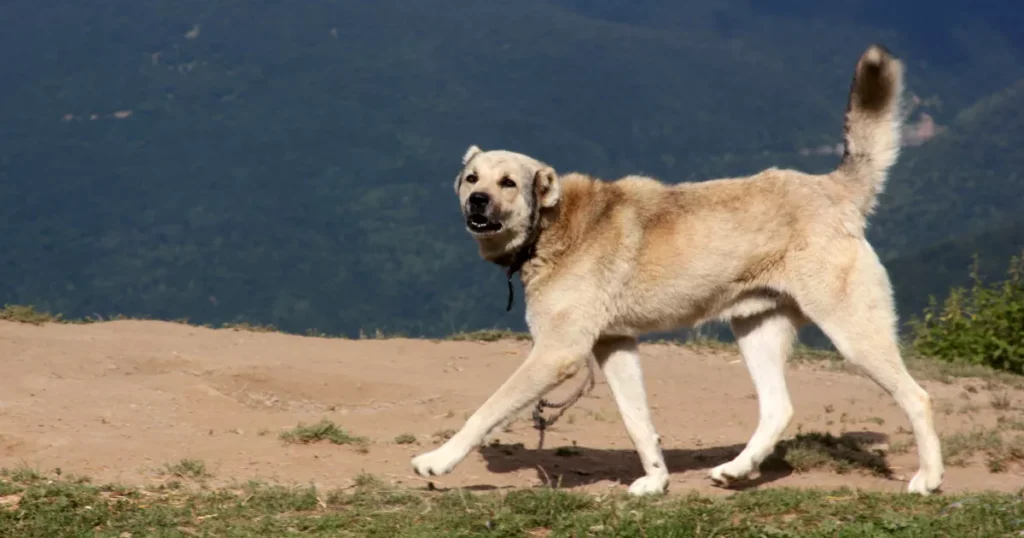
(118, 401)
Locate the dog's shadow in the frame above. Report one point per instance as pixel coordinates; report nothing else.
(573, 466)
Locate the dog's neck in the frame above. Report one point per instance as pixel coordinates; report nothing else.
(546, 240)
(514, 260)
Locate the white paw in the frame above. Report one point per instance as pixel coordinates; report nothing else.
(925, 483)
(649, 485)
(437, 462)
(727, 473)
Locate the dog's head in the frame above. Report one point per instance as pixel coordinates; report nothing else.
(501, 194)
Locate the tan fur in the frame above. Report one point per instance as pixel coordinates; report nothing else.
(767, 253)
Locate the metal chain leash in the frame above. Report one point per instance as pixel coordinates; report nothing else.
(541, 423)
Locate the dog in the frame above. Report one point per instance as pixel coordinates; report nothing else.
(603, 262)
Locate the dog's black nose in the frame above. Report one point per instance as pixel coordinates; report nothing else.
(478, 201)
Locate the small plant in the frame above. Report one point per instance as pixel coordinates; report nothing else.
(567, 451)
(325, 430)
(969, 408)
(24, 474)
(245, 326)
(957, 449)
(405, 439)
(377, 335)
(187, 468)
(1008, 423)
(443, 435)
(1002, 402)
(27, 314)
(996, 465)
(489, 335)
(980, 325)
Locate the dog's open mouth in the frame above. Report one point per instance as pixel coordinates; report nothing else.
(480, 224)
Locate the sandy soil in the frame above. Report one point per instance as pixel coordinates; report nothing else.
(118, 401)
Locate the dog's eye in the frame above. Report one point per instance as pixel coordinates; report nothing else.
(471, 179)
(507, 183)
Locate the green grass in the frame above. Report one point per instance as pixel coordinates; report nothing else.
(405, 439)
(489, 335)
(567, 451)
(27, 314)
(48, 507)
(1001, 450)
(1002, 402)
(441, 436)
(325, 430)
(187, 468)
(245, 326)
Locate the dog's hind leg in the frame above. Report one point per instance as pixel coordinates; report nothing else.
(860, 319)
(620, 361)
(765, 341)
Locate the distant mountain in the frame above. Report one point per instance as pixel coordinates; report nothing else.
(291, 163)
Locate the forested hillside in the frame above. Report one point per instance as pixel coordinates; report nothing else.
(291, 163)
(962, 181)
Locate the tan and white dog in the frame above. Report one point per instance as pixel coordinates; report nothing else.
(604, 262)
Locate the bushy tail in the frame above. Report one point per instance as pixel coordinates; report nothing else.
(874, 124)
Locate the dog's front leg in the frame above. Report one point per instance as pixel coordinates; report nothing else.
(620, 360)
(547, 366)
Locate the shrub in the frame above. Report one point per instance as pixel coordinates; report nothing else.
(980, 325)
(325, 430)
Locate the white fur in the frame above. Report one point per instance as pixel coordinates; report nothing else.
(765, 342)
(470, 153)
(620, 362)
(768, 252)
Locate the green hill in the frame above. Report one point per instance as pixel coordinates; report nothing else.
(291, 163)
(959, 183)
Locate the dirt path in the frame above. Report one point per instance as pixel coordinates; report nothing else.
(118, 401)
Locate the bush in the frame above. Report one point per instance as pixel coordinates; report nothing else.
(981, 325)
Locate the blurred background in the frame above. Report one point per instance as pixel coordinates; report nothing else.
(290, 163)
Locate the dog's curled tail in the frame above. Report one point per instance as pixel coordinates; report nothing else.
(874, 124)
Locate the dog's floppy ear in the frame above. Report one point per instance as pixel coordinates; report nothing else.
(470, 153)
(473, 151)
(545, 185)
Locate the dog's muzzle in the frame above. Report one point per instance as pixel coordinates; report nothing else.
(478, 215)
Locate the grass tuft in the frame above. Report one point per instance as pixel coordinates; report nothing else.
(187, 468)
(405, 439)
(27, 314)
(1002, 402)
(441, 436)
(245, 326)
(489, 335)
(998, 450)
(325, 430)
